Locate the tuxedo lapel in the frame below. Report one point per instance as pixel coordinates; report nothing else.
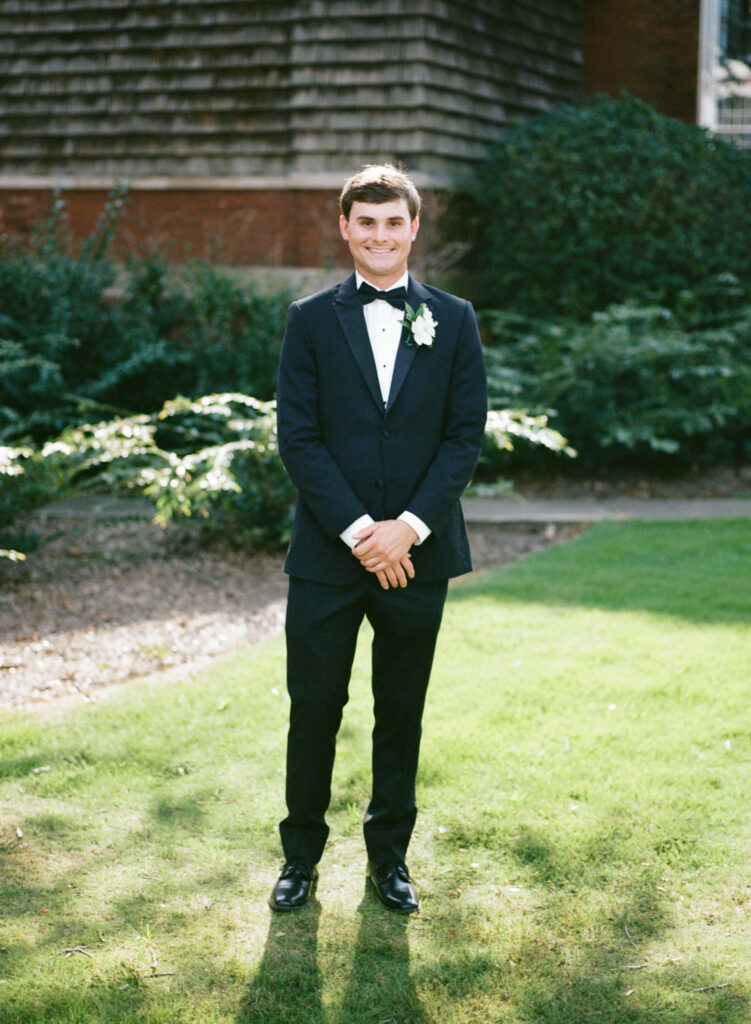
(348, 308)
(405, 355)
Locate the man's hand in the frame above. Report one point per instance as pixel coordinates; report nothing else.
(383, 548)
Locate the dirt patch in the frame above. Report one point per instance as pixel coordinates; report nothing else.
(111, 597)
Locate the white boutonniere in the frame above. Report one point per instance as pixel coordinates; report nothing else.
(421, 325)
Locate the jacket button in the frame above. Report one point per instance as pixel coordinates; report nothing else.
(387, 433)
(379, 484)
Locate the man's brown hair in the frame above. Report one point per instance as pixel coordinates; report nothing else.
(379, 183)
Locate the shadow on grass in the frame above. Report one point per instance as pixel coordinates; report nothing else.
(287, 986)
(563, 958)
(694, 570)
(569, 950)
(45, 1006)
(119, 902)
(573, 968)
(381, 986)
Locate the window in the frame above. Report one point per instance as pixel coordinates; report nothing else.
(725, 72)
(736, 30)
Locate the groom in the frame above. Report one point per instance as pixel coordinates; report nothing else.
(381, 414)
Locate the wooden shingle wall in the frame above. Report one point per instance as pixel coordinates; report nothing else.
(279, 90)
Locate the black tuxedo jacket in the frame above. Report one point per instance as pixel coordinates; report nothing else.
(347, 454)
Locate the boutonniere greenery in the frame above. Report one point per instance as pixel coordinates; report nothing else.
(420, 324)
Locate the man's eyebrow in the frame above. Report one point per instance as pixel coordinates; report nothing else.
(368, 216)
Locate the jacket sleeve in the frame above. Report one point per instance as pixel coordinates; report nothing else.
(463, 431)
(318, 479)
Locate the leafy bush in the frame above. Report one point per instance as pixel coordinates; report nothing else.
(28, 479)
(93, 358)
(215, 459)
(635, 380)
(80, 339)
(235, 332)
(505, 429)
(595, 204)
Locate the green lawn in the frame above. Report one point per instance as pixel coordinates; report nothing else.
(583, 840)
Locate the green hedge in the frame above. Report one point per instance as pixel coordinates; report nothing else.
(80, 339)
(215, 460)
(667, 388)
(91, 359)
(596, 204)
(28, 479)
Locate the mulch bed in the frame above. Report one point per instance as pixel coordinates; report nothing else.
(107, 598)
(104, 600)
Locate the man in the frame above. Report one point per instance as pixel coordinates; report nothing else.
(381, 417)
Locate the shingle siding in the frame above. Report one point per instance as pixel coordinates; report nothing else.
(218, 88)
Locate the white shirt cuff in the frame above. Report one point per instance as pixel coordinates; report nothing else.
(348, 535)
(421, 529)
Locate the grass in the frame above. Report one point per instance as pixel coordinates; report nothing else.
(583, 839)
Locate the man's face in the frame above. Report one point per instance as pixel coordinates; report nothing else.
(380, 236)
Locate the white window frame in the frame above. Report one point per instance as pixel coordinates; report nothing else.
(710, 83)
(709, 46)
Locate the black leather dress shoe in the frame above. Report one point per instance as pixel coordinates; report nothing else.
(296, 885)
(393, 886)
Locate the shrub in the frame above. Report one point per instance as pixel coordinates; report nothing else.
(635, 380)
(591, 205)
(28, 479)
(507, 430)
(235, 332)
(215, 459)
(229, 472)
(79, 339)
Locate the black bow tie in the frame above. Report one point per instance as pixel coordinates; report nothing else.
(396, 297)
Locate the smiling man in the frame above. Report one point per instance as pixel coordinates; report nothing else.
(381, 411)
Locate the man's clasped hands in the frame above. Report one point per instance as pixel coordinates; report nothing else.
(383, 548)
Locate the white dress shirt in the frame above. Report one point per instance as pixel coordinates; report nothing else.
(384, 323)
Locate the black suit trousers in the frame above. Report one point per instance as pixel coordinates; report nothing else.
(322, 625)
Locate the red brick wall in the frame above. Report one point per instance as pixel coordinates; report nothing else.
(649, 48)
(297, 228)
(244, 227)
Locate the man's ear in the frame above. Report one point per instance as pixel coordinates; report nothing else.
(414, 228)
(344, 227)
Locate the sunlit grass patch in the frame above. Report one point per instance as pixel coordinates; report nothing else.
(581, 851)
